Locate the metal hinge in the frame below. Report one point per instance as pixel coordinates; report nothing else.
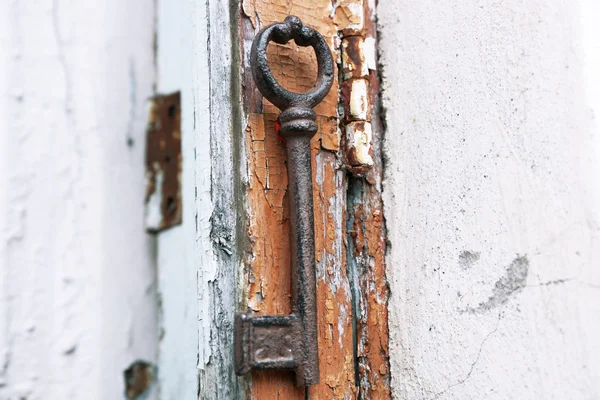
(163, 163)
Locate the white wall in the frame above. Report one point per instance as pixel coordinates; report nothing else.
(77, 295)
(491, 197)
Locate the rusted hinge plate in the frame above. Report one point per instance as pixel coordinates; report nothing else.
(267, 342)
(163, 163)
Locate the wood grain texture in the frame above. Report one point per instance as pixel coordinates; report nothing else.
(353, 356)
(367, 245)
(268, 263)
(219, 208)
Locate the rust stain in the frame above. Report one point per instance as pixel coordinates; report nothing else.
(163, 163)
(139, 377)
(370, 248)
(372, 324)
(355, 99)
(354, 64)
(358, 147)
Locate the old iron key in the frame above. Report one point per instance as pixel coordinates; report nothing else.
(290, 341)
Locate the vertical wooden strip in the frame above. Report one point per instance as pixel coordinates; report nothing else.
(268, 273)
(367, 258)
(365, 223)
(373, 346)
(344, 364)
(219, 219)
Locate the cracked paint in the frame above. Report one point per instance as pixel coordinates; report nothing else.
(267, 261)
(359, 138)
(268, 224)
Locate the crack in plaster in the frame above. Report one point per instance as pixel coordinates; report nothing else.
(475, 362)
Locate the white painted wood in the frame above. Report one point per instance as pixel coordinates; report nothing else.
(491, 196)
(77, 277)
(177, 268)
(219, 211)
(199, 261)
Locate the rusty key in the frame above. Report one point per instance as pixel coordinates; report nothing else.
(290, 341)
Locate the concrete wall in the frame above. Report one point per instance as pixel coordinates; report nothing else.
(491, 196)
(77, 295)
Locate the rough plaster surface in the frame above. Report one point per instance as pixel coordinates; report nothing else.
(77, 296)
(491, 197)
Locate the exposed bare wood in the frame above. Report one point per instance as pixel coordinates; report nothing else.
(366, 226)
(343, 363)
(268, 259)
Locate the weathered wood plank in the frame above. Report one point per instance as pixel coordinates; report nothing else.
(268, 270)
(219, 211)
(352, 354)
(367, 243)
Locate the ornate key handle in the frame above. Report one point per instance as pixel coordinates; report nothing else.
(290, 341)
(297, 115)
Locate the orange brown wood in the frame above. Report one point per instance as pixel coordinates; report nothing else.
(369, 248)
(343, 366)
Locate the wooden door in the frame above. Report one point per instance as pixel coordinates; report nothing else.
(350, 245)
(235, 232)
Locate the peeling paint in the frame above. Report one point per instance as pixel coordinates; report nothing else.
(370, 53)
(354, 63)
(356, 93)
(355, 98)
(154, 201)
(359, 100)
(365, 224)
(163, 163)
(359, 137)
(267, 270)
